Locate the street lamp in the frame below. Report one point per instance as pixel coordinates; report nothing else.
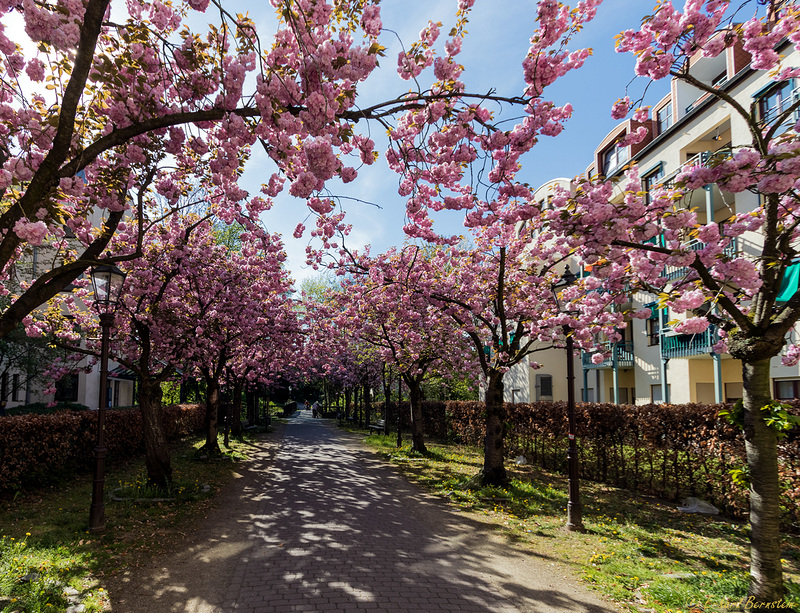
(107, 284)
(574, 519)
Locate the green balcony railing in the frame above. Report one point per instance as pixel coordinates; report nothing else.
(622, 351)
(675, 272)
(685, 345)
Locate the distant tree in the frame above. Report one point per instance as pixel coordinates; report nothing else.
(30, 361)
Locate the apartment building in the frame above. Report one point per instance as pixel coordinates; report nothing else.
(653, 363)
(23, 376)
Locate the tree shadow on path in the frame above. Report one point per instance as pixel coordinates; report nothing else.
(324, 525)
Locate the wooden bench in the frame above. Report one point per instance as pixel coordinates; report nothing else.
(380, 426)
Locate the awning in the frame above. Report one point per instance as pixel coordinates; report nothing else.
(789, 285)
(120, 372)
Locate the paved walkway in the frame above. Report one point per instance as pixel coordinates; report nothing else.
(329, 527)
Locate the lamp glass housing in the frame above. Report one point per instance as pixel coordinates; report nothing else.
(107, 284)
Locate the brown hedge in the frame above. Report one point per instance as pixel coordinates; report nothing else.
(669, 451)
(36, 449)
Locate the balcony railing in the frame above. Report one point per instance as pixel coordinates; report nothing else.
(622, 351)
(686, 345)
(775, 111)
(699, 159)
(674, 272)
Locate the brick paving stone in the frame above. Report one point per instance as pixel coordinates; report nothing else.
(338, 530)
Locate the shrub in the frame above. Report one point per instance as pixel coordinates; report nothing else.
(36, 449)
(670, 451)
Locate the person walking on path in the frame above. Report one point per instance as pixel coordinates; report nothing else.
(326, 526)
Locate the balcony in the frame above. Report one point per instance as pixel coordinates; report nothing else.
(775, 106)
(675, 272)
(687, 345)
(622, 356)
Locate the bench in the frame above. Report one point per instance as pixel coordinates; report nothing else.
(380, 426)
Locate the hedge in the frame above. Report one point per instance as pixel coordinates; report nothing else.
(668, 451)
(38, 449)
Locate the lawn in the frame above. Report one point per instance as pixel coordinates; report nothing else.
(48, 560)
(641, 552)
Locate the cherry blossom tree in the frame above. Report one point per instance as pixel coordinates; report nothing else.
(498, 290)
(407, 331)
(104, 102)
(234, 312)
(649, 236)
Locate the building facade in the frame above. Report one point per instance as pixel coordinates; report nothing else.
(653, 363)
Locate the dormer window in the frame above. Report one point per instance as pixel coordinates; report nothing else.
(664, 118)
(614, 158)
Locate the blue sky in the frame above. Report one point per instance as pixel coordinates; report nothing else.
(497, 41)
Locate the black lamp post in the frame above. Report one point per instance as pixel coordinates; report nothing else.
(107, 284)
(574, 514)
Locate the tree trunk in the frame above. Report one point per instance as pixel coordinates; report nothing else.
(234, 421)
(761, 445)
(417, 425)
(367, 405)
(211, 445)
(156, 449)
(494, 470)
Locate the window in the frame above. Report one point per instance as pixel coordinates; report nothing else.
(653, 331)
(775, 101)
(655, 393)
(663, 118)
(787, 389)
(15, 388)
(623, 395)
(733, 392)
(654, 324)
(652, 179)
(67, 388)
(116, 394)
(544, 387)
(614, 158)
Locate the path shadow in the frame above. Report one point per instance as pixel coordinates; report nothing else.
(325, 526)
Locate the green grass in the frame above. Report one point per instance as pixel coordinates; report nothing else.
(640, 552)
(45, 546)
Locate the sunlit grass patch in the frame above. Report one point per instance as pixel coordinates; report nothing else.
(48, 555)
(638, 551)
(36, 579)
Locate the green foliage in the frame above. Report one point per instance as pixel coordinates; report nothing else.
(775, 414)
(439, 388)
(741, 476)
(317, 287)
(229, 235)
(35, 579)
(734, 414)
(171, 392)
(777, 417)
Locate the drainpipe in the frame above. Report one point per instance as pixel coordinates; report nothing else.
(718, 396)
